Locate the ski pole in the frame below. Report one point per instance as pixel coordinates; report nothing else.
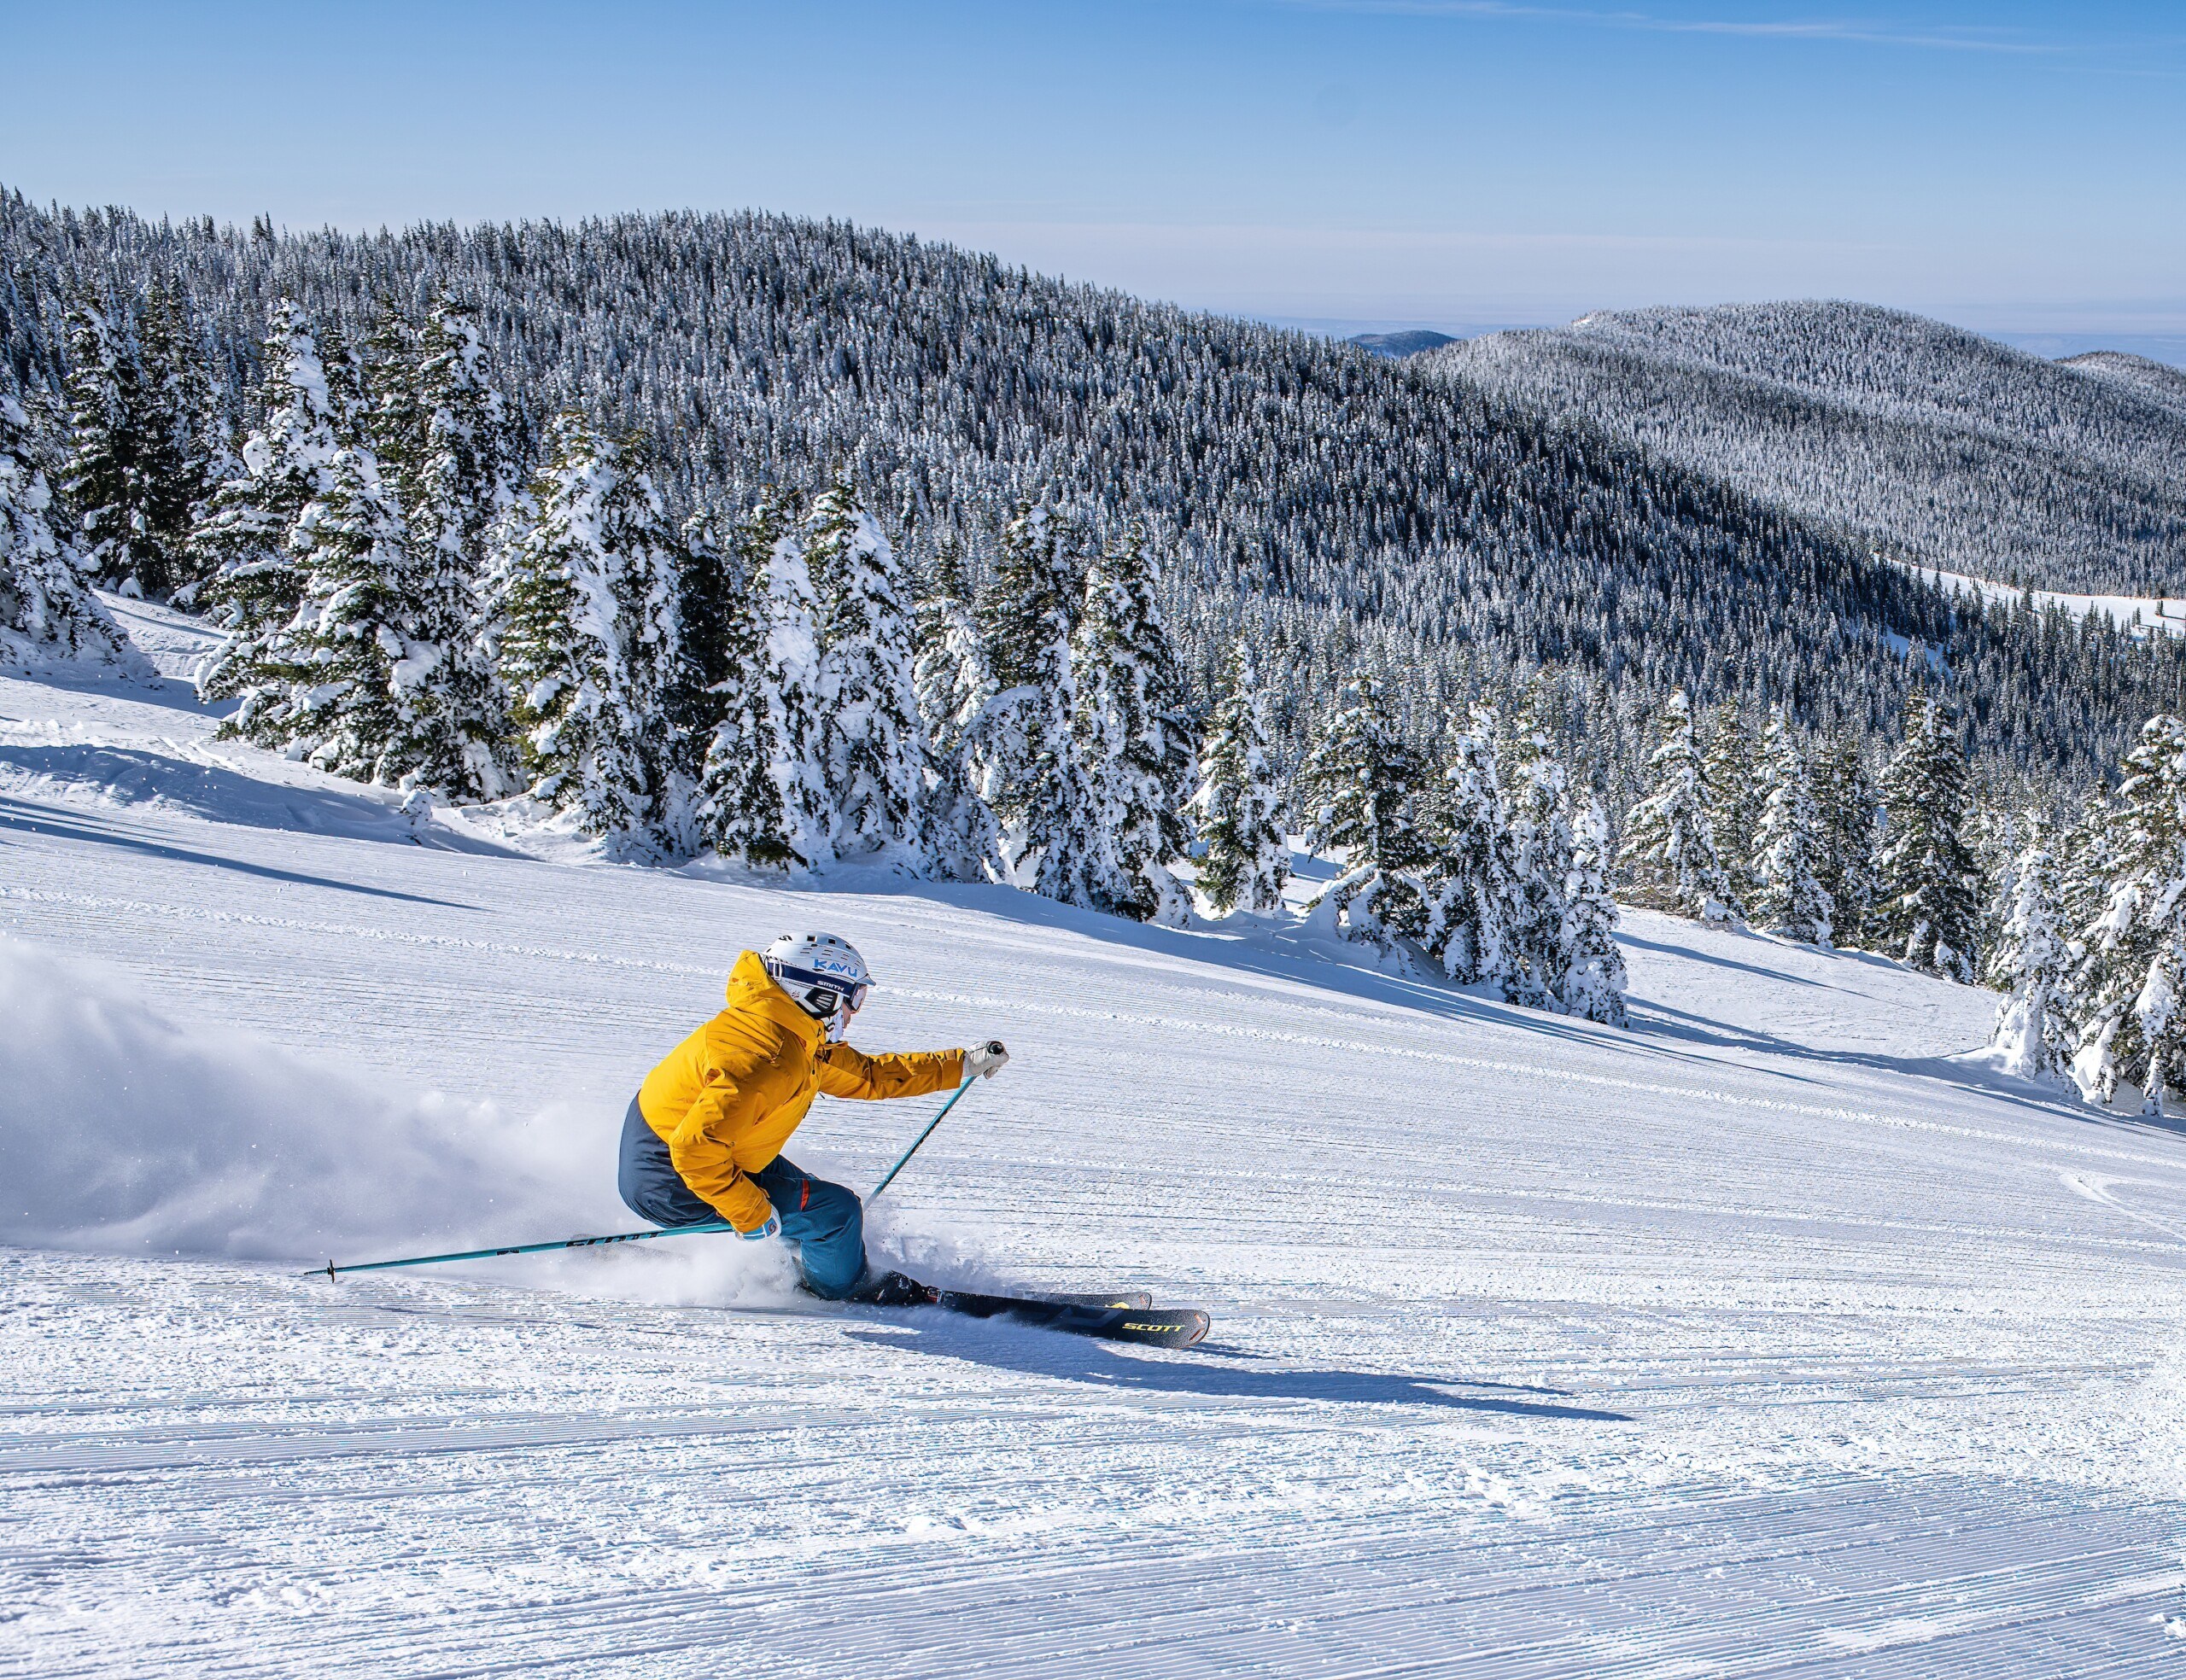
(329, 1271)
(905, 1156)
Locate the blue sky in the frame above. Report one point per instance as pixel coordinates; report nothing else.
(2016, 167)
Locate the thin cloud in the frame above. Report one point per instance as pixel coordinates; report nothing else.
(1813, 29)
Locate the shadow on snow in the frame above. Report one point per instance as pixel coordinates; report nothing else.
(67, 826)
(1030, 1351)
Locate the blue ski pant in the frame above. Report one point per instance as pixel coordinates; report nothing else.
(825, 1220)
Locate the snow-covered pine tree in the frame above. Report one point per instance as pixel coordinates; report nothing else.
(105, 480)
(2087, 862)
(585, 603)
(1927, 910)
(348, 682)
(1542, 846)
(764, 796)
(1479, 907)
(178, 433)
(348, 390)
(240, 546)
(1245, 857)
(955, 683)
(875, 745)
(1846, 798)
(1360, 782)
(453, 464)
(2127, 993)
(1024, 749)
(1131, 738)
(404, 547)
(1788, 898)
(1736, 794)
(1594, 975)
(2032, 965)
(1670, 860)
(1996, 837)
(720, 641)
(47, 611)
(749, 756)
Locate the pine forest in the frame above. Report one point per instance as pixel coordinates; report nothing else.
(794, 545)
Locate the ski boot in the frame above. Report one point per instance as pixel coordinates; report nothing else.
(893, 1289)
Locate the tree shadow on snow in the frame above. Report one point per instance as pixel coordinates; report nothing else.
(1651, 1015)
(1690, 955)
(1271, 950)
(132, 776)
(1032, 1353)
(67, 826)
(168, 693)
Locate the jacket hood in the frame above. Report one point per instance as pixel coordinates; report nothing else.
(750, 988)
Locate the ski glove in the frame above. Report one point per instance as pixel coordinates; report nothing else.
(772, 1227)
(984, 1061)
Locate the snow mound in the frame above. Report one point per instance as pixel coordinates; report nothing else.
(170, 641)
(104, 653)
(121, 1130)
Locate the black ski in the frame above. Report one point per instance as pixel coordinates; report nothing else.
(1119, 1316)
(1152, 1327)
(1115, 1298)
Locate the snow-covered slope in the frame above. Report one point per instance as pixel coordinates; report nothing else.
(1953, 450)
(2165, 615)
(1766, 1339)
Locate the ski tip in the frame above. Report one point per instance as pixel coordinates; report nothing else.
(1166, 1328)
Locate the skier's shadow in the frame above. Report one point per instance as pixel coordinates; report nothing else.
(1044, 1353)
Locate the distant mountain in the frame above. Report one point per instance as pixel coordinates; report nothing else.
(1919, 438)
(1397, 346)
(2159, 379)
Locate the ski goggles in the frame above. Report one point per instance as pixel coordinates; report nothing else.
(852, 992)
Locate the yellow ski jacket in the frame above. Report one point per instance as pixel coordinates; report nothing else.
(728, 1097)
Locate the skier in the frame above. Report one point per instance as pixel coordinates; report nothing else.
(703, 1138)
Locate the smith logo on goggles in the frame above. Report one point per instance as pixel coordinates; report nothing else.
(851, 991)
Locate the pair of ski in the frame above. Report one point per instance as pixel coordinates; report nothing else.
(1124, 1315)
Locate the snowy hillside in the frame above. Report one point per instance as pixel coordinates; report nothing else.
(1961, 453)
(1346, 511)
(1773, 1336)
(2155, 613)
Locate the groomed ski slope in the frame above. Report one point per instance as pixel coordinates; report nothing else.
(1764, 1339)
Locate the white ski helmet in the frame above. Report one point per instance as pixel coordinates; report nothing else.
(825, 975)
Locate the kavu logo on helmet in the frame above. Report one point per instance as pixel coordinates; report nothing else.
(825, 974)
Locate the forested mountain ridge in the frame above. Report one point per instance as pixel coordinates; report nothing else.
(1346, 512)
(1396, 346)
(1936, 444)
(2158, 381)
